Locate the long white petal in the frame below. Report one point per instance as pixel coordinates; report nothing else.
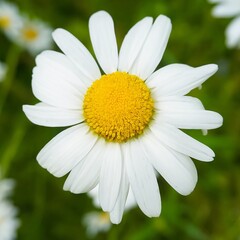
(110, 176)
(170, 72)
(177, 169)
(66, 150)
(233, 33)
(85, 176)
(153, 48)
(181, 142)
(103, 39)
(77, 53)
(45, 115)
(57, 82)
(194, 119)
(179, 79)
(178, 103)
(117, 213)
(133, 43)
(142, 179)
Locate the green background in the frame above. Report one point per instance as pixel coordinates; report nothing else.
(211, 212)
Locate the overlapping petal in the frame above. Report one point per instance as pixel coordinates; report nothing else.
(66, 150)
(153, 48)
(133, 43)
(142, 179)
(177, 169)
(77, 53)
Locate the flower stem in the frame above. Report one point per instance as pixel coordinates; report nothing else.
(12, 62)
(13, 145)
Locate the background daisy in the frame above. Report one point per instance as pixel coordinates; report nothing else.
(8, 213)
(229, 9)
(10, 19)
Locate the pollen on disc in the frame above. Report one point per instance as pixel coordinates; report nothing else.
(118, 106)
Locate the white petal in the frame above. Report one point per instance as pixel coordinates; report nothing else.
(117, 213)
(57, 82)
(195, 119)
(133, 43)
(103, 39)
(178, 79)
(85, 176)
(233, 33)
(170, 72)
(45, 115)
(142, 179)
(181, 142)
(110, 176)
(77, 53)
(177, 169)
(227, 9)
(66, 150)
(178, 103)
(153, 48)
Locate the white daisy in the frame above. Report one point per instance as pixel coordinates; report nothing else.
(8, 220)
(229, 8)
(34, 35)
(10, 19)
(3, 70)
(126, 120)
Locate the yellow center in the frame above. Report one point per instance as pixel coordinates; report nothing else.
(29, 34)
(4, 21)
(104, 217)
(118, 106)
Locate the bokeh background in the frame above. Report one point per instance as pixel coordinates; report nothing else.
(46, 212)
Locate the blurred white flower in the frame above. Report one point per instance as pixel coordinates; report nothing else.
(34, 35)
(227, 9)
(10, 19)
(96, 222)
(8, 213)
(3, 71)
(126, 121)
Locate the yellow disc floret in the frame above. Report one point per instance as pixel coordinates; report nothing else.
(118, 106)
(29, 34)
(5, 22)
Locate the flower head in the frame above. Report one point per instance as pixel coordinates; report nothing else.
(126, 120)
(229, 8)
(34, 35)
(10, 19)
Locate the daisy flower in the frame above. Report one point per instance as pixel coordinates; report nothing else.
(34, 35)
(227, 9)
(3, 70)
(10, 19)
(126, 121)
(8, 221)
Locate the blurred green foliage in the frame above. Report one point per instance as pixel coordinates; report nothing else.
(212, 211)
